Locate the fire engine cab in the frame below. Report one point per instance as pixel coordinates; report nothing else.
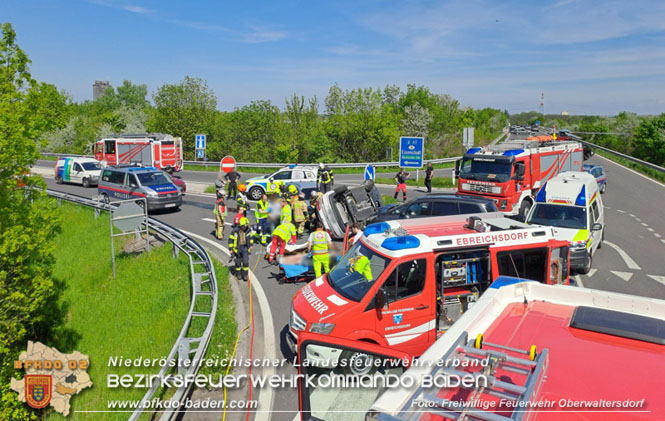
(407, 281)
(511, 173)
(162, 151)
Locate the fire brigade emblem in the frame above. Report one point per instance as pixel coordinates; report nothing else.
(397, 318)
(38, 390)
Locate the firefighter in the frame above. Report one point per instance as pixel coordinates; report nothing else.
(220, 215)
(241, 200)
(240, 244)
(300, 215)
(261, 213)
(283, 234)
(285, 214)
(320, 243)
(292, 194)
(324, 178)
(361, 265)
(313, 200)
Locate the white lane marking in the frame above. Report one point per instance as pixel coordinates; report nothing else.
(657, 278)
(623, 275)
(631, 215)
(631, 170)
(645, 225)
(626, 258)
(638, 219)
(591, 272)
(651, 229)
(578, 281)
(662, 241)
(619, 210)
(270, 345)
(212, 220)
(656, 234)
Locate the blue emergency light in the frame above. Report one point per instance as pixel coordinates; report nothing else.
(377, 228)
(471, 151)
(401, 243)
(581, 198)
(513, 152)
(541, 196)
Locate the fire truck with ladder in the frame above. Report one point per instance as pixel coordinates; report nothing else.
(405, 282)
(511, 172)
(158, 150)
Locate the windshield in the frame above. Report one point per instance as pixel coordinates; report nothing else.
(558, 216)
(356, 272)
(91, 166)
(486, 169)
(153, 179)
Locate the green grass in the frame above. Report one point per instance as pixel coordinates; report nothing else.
(210, 189)
(388, 200)
(441, 182)
(140, 312)
(649, 172)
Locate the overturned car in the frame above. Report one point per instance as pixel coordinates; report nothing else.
(345, 205)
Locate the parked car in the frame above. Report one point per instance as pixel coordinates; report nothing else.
(599, 173)
(346, 205)
(436, 205)
(179, 183)
(80, 170)
(303, 177)
(139, 182)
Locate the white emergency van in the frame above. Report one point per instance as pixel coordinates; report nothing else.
(571, 203)
(78, 170)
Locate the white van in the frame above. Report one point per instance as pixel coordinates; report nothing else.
(571, 203)
(78, 170)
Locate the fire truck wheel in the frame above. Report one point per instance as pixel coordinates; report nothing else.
(524, 209)
(255, 193)
(58, 179)
(357, 363)
(86, 183)
(587, 266)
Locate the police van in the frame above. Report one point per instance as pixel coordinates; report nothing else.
(572, 204)
(139, 182)
(79, 170)
(302, 176)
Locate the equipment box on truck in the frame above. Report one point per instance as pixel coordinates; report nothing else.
(405, 282)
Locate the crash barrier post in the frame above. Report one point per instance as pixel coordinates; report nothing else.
(202, 273)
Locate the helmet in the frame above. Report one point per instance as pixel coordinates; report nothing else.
(220, 194)
(321, 165)
(301, 195)
(242, 187)
(293, 189)
(313, 194)
(243, 222)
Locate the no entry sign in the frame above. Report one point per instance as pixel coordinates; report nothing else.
(228, 164)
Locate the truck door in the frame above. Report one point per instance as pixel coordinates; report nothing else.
(76, 174)
(559, 264)
(407, 320)
(110, 152)
(322, 357)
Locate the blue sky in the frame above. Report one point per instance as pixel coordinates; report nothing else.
(587, 57)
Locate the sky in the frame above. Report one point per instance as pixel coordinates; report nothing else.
(586, 56)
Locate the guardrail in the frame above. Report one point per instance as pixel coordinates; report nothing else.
(182, 349)
(624, 156)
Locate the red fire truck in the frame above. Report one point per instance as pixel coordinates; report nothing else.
(407, 281)
(150, 150)
(511, 173)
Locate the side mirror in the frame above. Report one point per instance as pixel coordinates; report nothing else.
(380, 299)
(596, 227)
(456, 172)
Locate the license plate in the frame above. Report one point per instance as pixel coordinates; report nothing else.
(170, 205)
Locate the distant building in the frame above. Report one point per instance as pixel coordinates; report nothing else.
(99, 88)
(564, 112)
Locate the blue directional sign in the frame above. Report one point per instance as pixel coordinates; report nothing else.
(411, 151)
(200, 141)
(200, 153)
(370, 174)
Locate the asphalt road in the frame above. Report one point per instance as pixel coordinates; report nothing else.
(631, 260)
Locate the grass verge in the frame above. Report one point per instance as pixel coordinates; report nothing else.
(210, 189)
(440, 182)
(649, 172)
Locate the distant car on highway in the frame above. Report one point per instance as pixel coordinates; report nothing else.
(599, 173)
(84, 171)
(345, 205)
(179, 183)
(302, 176)
(436, 205)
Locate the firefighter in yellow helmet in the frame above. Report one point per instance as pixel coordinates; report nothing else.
(241, 241)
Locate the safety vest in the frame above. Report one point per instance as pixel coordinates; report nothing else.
(324, 176)
(361, 265)
(236, 239)
(319, 241)
(299, 211)
(285, 231)
(261, 211)
(220, 207)
(286, 214)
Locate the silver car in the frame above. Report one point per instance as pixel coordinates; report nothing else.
(346, 205)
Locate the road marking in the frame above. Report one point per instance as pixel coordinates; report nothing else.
(656, 234)
(266, 396)
(662, 241)
(619, 210)
(638, 219)
(633, 171)
(645, 225)
(651, 229)
(591, 272)
(657, 278)
(623, 275)
(215, 221)
(632, 216)
(578, 281)
(626, 258)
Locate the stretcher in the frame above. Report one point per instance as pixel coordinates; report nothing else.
(297, 266)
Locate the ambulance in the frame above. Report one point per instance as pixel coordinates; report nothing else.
(571, 203)
(79, 170)
(407, 281)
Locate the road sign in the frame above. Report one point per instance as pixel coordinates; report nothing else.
(467, 137)
(411, 151)
(228, 164)
(369, 173)
(128, 216)
(200, 153)
(200, 141)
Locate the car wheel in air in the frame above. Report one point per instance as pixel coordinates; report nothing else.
(340, 189)
(369, 185)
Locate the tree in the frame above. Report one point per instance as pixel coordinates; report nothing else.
(133, 96)
(184, 109)
(28, 221)
(649, 140)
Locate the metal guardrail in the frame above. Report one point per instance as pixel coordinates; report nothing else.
(182, 349)
(624, 156)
